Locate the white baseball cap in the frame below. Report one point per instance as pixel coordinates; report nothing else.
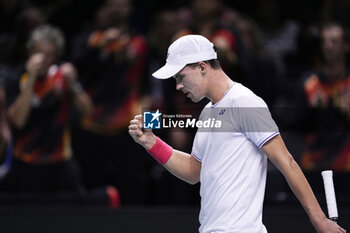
(186, 50)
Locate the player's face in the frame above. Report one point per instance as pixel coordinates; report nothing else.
(191, 82)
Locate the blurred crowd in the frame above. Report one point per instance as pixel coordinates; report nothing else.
(74, 73)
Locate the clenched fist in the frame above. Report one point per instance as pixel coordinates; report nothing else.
(144, 137)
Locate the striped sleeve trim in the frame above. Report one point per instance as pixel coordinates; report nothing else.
(197, 158)
(268, 138)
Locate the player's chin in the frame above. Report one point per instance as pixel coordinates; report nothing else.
(194, 98)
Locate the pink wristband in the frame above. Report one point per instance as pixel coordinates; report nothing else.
(161, 151)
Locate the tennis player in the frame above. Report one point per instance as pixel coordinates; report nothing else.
(231, 165)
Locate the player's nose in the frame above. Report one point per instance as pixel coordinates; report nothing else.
(179, 86)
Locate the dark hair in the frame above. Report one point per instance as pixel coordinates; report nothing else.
(214, 63)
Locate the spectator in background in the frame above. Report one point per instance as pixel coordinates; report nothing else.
(327, 92)
(39, 115)
(13, 46)
(113, 65)
(118, 55)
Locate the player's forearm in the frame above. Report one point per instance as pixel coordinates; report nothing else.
(180, 164)
(284, 161)
(303, 191)
(184, 167)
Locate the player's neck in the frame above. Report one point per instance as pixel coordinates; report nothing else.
(220, 84)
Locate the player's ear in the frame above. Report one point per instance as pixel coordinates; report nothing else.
(202, 67)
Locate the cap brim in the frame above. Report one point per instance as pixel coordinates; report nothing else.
(167, 71)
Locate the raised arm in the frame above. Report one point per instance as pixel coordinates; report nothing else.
(277, 152)
(19, 111)
(81, 99)
(180, 164)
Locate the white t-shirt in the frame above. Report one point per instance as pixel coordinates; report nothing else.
(233, 173)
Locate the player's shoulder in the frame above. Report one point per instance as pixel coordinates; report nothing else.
(241, 96)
